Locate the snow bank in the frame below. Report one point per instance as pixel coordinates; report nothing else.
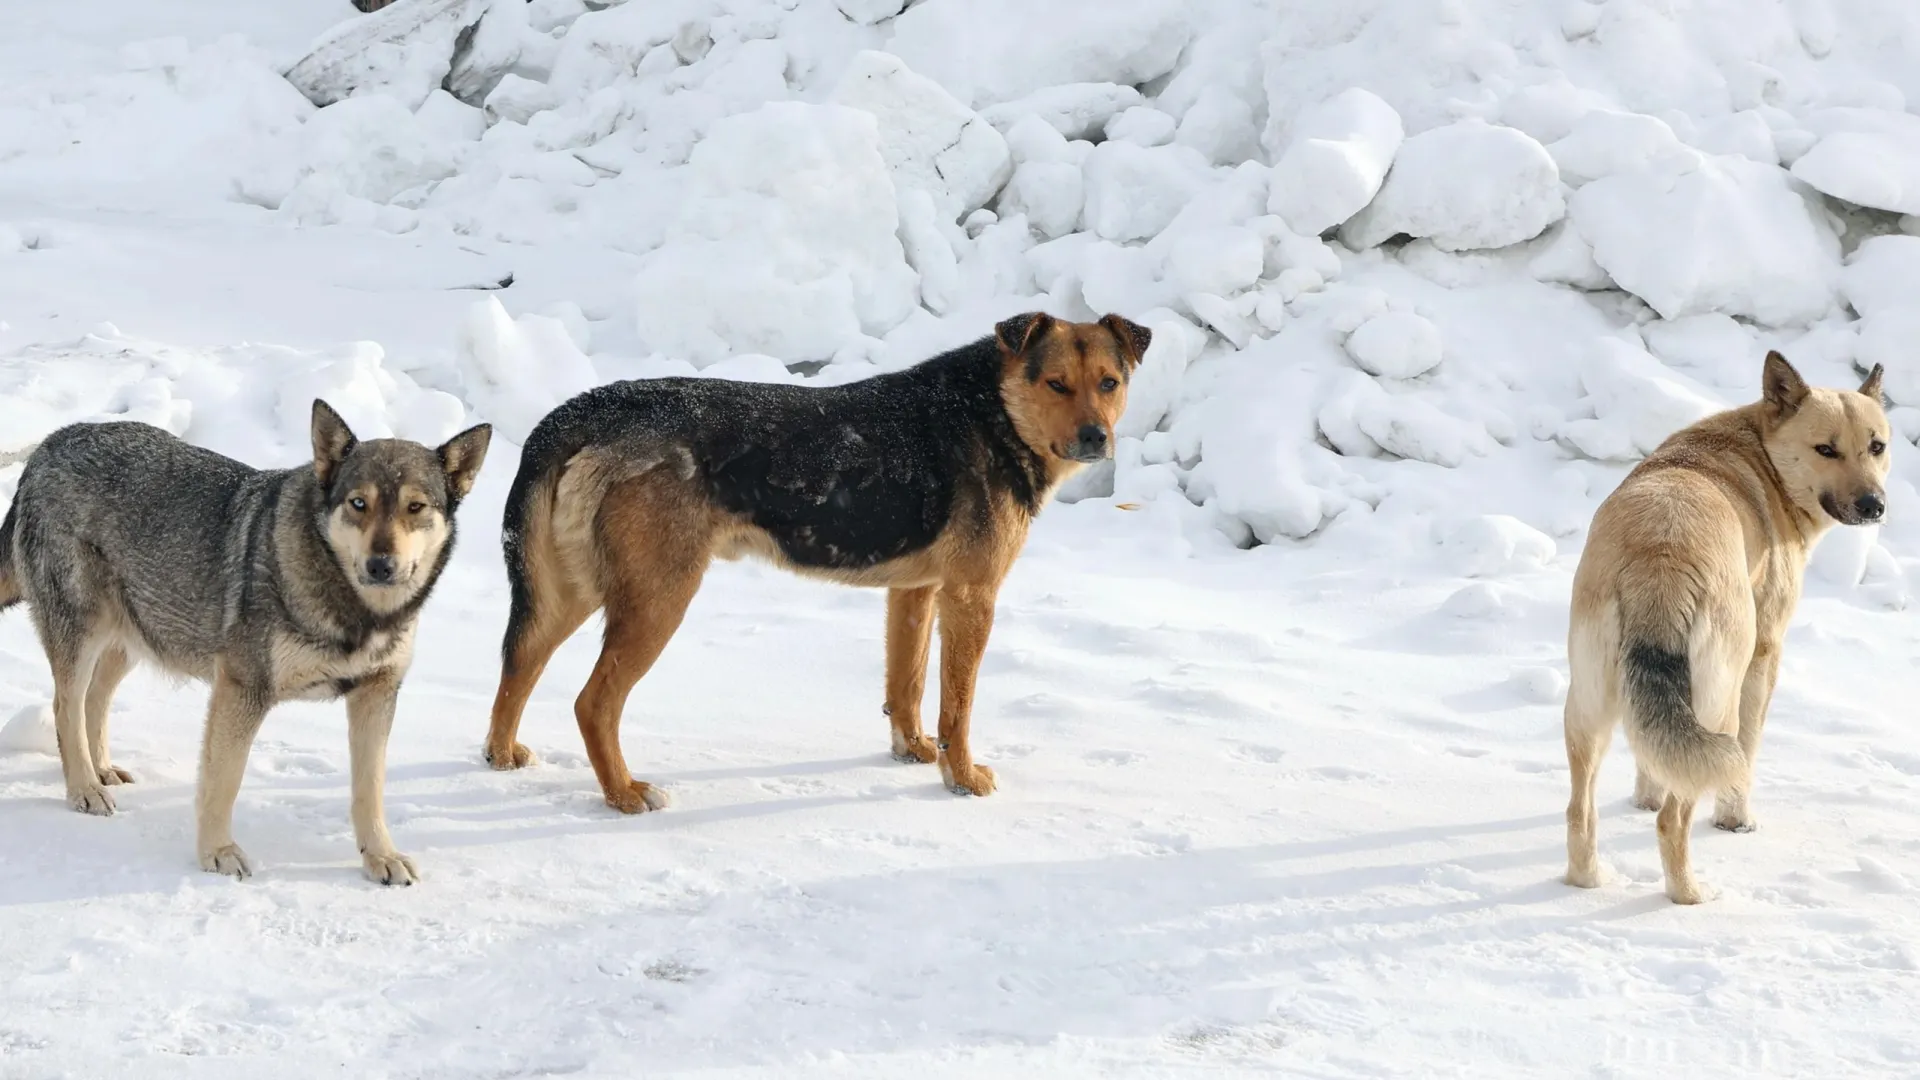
(1871, 169)
(1465, 185)
(929, 140)
(1338, 157)
(785, 243)
(515, 371)
(1721, 234)
(987, 51)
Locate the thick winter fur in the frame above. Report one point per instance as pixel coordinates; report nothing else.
(922, 481)
(130, 544)
(1681, 601)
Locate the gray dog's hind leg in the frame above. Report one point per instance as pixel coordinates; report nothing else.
(112, 667)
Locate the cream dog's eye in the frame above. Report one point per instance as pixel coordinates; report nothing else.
(1826, 450)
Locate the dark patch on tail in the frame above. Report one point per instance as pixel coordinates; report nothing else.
(553, 442)
(1659, 685)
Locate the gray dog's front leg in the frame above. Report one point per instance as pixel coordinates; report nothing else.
(369, 718)
(233, 719)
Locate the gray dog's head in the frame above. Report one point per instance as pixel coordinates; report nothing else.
(389, 504)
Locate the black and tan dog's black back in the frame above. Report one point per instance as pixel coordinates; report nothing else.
(130, 544)
(921, 481)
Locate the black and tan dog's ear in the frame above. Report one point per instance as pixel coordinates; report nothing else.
(461, 457)
(333, 440)
(1018, 333)
(1781, 386)
(1134, 338)
(1871, 387)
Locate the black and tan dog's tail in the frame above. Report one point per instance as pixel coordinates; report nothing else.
(1666, 735)
(528, 518)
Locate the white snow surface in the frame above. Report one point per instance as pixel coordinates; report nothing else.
(1273, 697)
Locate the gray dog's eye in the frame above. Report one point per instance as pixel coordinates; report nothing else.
(357, 503)
(415, 507)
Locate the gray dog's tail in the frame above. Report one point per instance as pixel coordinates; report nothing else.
(9, 580)
(1666, 737)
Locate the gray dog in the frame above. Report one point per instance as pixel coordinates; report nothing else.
(271, 586)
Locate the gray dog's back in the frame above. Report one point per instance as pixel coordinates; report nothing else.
(128, 514)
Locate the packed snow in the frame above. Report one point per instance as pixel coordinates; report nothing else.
(1273, 698)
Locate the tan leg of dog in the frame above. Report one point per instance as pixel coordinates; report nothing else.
(543, 637)
(656, 571)
(909, 639)
(1673, 825)
(1647, 793)
(369, 720)
(233, 719)
(72, 678)
(112, 668)
(966, 620)
(1730, 807)
(1587, 737)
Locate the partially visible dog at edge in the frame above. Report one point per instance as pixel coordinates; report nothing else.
(922, 481)
(129, 544)
(1680, 603)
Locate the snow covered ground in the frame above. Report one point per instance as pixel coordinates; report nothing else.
(1274, 702)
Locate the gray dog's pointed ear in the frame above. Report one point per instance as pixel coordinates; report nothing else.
(461, 457)
(1134, 338)
(1871, 387)
(332, 441)
(1781, 386)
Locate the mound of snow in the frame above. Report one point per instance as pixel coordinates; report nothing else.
(785, 243)
(403, 51)
(1135, 191)
(987, 51)
(1604, 142)
(1395, 345)
(516, 371)
(30, 731)
(1882, 283)
(1049, 193)
(1721, 234)
(372, 147)
(929, 140)
(1337, 160)
(1075, 110)
(1871, 169)
(1495, 544)
(1218, 261)
(1466, 185)
(1637, 402)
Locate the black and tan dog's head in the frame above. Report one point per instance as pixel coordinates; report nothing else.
(389, 504)
(1829, 446)
(1065, 384)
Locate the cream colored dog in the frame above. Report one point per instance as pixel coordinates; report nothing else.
(1691, 571)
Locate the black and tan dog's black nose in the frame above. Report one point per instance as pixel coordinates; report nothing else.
(1091, 444)
(1871, 506)
(380, 568)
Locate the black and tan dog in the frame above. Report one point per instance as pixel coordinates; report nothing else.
(922, 481)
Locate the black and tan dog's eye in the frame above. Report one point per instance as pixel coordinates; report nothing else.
(358, 503)
(1826, 450)
(1876, 448)
(1058, 387)
(415, 507)
(1108, 384)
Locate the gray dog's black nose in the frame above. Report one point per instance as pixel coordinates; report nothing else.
(380, 568)
(1871, 506)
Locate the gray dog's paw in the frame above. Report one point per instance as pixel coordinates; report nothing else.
(227, 859)
(90, 799)
(391, 868)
